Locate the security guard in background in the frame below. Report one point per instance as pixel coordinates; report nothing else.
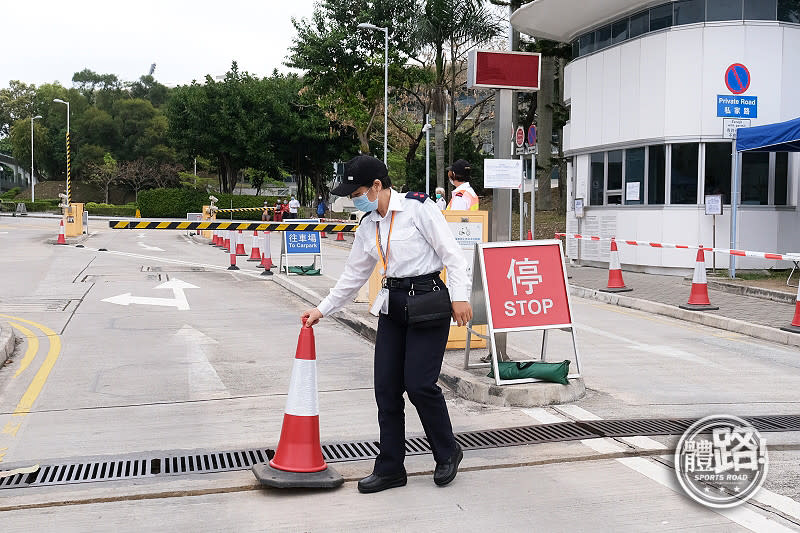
(408, 235)
(464, 198)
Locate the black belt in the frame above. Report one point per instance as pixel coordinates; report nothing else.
(405, 283)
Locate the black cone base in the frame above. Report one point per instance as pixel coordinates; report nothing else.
(693, 307)
(233, 267)
(792, 329)
(619, 289)
(267, 272)
(281, 479)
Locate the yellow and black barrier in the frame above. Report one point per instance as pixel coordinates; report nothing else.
(344, 227)
(243, 209)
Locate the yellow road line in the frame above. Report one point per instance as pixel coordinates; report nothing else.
(33, 347)
(26, 403)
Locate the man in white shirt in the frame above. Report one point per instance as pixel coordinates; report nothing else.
(410, 239)
(293, 206)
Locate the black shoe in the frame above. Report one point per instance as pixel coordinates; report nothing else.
(446, 472)
(375, 483)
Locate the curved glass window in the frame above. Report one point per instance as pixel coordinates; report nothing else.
(684, 12)
(724, 10)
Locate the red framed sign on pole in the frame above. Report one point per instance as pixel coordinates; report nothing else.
(521, 286)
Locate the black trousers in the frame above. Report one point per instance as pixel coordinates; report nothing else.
(409, 359)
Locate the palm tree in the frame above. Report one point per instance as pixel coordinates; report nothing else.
(448, 29)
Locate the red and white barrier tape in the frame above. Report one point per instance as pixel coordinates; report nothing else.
(740, 253)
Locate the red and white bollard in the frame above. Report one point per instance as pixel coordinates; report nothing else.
(240, 243)
(255, 252)
(233, 261)
(266, 256)
(61, 235)
(698, 297)
(615, 281)
(795, 326)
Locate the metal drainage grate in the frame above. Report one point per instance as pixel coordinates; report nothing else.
(200, 462)
(23, 304)
(631, 428)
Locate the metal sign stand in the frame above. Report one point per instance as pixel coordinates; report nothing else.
(482, 314)
(285, 263)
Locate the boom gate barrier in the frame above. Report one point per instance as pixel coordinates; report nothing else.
(348, 227)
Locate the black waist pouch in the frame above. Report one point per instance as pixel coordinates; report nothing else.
(428, 309)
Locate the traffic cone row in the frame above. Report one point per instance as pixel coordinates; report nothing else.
(240, 243)
(61, 235)
(795, 326)
(255, 251)
(615, 281)
(298, 460)
(698, 297)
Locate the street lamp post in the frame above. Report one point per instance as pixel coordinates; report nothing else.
(33, 185)
(367, 26)
(427, 129)
(69, 190)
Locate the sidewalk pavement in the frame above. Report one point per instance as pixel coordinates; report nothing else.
(760, 317)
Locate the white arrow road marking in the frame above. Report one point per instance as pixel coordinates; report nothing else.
(179, 301)
(147, 247)
(202, 377)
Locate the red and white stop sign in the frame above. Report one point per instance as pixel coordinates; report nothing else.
(520, 136)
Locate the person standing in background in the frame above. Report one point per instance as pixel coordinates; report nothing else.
(294, 205)
(464, 198)
(321, 207)
(441, 203)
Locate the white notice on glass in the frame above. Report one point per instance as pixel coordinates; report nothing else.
(502, 173)
(632, 191)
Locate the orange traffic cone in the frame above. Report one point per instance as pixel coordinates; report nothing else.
(615, 282)
(298, 461)
(339, 236)
(213, 238)
(698, 297)
(255, 252)
(240, 243)
(266, 257)
(530, 235)
(61, 234)
(322, 235)
(226, 242)
(795, 327)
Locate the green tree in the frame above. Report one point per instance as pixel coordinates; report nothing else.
(103, 175)
(447, 30)
(16, 103)
(149, 89)
(343, 65)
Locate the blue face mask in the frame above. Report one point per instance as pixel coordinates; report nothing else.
(362, 203)
(438, 196)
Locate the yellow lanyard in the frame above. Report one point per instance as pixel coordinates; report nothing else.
(384, 258)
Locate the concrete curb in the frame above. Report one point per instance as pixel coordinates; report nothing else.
(707, 319)
(8, 342)
(463, 383)
(756, 292)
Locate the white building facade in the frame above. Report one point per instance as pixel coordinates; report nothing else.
(646, 88)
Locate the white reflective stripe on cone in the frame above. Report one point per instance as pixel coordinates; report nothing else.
(699, 273)
(798, 293)
(303, 400)
(614, 264)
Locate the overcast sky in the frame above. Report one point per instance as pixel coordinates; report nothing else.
(48, 41)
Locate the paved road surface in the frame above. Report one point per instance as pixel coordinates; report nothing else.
(145, 377)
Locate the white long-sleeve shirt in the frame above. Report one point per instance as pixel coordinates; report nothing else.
(421, 243)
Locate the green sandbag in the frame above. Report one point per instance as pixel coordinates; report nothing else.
(555, 372)
(305, 270)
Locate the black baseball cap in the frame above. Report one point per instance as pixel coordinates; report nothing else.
(362, 170)
(461, 168)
